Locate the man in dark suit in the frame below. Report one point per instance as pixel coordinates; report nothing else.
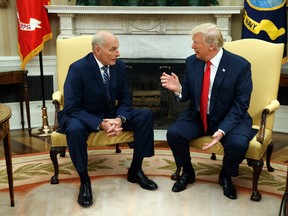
(89, 106)
(228, 96)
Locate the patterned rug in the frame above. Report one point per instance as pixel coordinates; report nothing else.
(111, 190)
(104, 162)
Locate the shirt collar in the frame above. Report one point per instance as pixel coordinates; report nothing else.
(217, 58)
(98, 62)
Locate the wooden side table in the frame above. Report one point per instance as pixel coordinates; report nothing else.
(286, 193)
(5, 114)
(17, 76)
(284, 203)
(283, 80)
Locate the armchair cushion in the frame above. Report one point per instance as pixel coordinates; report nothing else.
(94, 139)
(255, 151)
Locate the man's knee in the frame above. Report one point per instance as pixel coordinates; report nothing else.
(237, 143)
(75, 129)
(146, 114)
(142, 115)
(172, 132)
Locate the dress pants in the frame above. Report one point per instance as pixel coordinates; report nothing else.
(182, 131)
(141, 123)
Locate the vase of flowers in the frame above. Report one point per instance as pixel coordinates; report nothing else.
(202, 2)
(125, 2)
(198, 2)
(214, 2)
(87, 2)
(161, 2)
(147, 3)
(172, 2)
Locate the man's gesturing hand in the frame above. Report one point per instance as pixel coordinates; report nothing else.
(216, 137)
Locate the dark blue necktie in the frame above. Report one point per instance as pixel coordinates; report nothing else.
(107, 84)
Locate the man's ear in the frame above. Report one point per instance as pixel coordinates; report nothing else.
(211, 46)
(97, 50)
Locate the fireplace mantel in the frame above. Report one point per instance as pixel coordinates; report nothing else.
(78, 20)
(65, 9)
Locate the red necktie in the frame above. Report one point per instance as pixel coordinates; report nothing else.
(204, 96)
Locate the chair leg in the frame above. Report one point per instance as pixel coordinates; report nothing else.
(284, 205)
(268, 157)
(117, 147)
(54, 151)
(130, 145)
(63, 153)
(213, 156)
(176, 174)
(257, 166)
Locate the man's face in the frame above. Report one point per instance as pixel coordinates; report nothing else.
(108, 53)
(201, 48)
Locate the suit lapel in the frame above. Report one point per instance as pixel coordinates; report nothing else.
(94, 68)
(113, 78)
(199, 74)
(220, 74)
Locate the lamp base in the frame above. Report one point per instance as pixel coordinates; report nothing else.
(45, 130)
(41, 132)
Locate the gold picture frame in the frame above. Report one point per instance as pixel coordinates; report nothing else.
(4, 3)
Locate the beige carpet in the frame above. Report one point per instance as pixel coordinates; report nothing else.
(113, 195)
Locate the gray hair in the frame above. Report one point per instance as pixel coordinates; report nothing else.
(99, 38)
(211, 33)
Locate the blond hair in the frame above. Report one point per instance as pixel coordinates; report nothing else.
(211, 33)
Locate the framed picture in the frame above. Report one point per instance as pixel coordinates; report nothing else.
(4, 3)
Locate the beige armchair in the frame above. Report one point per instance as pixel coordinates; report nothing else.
(68, 51)
(265, 59)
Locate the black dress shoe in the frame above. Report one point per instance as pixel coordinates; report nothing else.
(85, 197)
(228, 187)
(141, 179)
(182, 181)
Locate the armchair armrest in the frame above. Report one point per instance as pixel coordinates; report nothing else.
(58, 96)
(57, 100)
(272, 107)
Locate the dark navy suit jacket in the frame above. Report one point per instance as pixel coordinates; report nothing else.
(85, 95)
(230, 94)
